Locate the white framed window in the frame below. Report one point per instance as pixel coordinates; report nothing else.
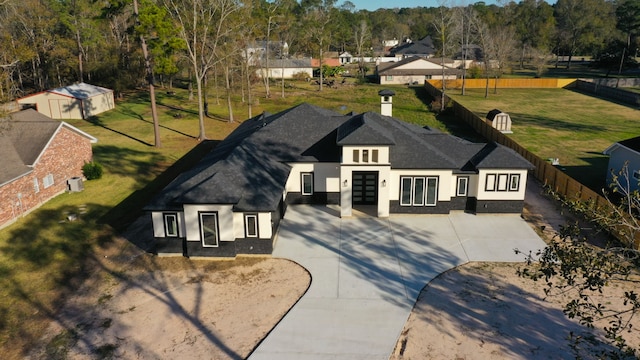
(490, 183)
(251, 225)
(432, 191)
(365, 156)
(463, 186)
(636, 174)
(405, 191)
(389, 78)
(307, 183)
(418, 191)
(36, 185)
(47, 181)
(514, 182)
(171, 225)
(209, 228)
(503, 180)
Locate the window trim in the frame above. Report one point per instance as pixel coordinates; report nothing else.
(426, 193)
(425, 190)
(47, 181)
(166, 216)
(215, 215)
(513, 177)
(247, 233)
(302, 177)
(465, 180)
(503, 182)
(36, 185)
(490, 182)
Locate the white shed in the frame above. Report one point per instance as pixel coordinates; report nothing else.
(78, 101)
(500, 121)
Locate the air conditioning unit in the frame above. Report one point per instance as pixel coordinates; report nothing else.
(75, 184)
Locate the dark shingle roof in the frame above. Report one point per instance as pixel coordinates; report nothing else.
(423, 46)
(249, 169)
(633, 143)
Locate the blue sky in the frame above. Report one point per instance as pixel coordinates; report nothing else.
(376, 4)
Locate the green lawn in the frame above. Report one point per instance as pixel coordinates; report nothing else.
(43, 257)
(559, 123)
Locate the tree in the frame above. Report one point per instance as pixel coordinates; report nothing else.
(317, 19)
(570, 265)
(628, 21)
(362, 38)
(582, 24)
(203, 26)
(443, 25)
(534, 23)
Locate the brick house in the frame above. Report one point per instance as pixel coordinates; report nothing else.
(39, 156)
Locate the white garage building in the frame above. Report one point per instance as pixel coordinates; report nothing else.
(78, 101)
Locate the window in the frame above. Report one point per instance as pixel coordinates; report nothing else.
(490, 183)
(418, 191)
(251, 225)
(463, 185)
(503, 179)
(514, 182)
(209, 229)
(356, 156)
(389, 77)
(502, 182)
(171, 225)
(365, 156)
(307, 183)
(432, 191)
(47, 181)
(36, 186)
(374, 156)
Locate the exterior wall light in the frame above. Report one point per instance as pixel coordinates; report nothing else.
(344, 183)
(384, 183)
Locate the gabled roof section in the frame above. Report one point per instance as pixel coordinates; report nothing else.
(631, 144)
(249, 168)
(364, 129)
(496, 156)
(414, 65)
(289, 63)
(423, 46)
(80, 90)
(27, 136)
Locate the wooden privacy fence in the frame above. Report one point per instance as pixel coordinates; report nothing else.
(503, 83)
(549, 175)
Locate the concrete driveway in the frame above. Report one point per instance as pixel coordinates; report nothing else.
(367, 274)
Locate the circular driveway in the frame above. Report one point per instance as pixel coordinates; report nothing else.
(366, 274)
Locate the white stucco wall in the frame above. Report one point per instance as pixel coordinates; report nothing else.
(226, 222)
(264, 225)
(157, 218)
(325, 177)
(384, 176)
(347, 154)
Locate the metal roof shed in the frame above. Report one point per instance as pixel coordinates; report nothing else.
(77, 101)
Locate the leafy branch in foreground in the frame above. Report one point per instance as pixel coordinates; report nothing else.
(570, 266)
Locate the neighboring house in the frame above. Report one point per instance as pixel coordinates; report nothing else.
(621, 154)
(413, 70)
(422, 48)
(256, 51)
(232, 201)
(325, 61)
(78, 101)
(345, 58)
(287, 68)
(39, 156)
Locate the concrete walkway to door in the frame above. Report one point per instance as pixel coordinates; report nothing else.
(366, 274)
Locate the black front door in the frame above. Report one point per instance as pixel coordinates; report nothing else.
(365, 188)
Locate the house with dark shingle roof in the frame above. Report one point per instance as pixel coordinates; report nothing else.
(625, 153)
(422, 48)
(39, 156)
(414, 70)
(232, 201)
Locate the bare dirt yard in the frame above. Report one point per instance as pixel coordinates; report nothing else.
(138, 306)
